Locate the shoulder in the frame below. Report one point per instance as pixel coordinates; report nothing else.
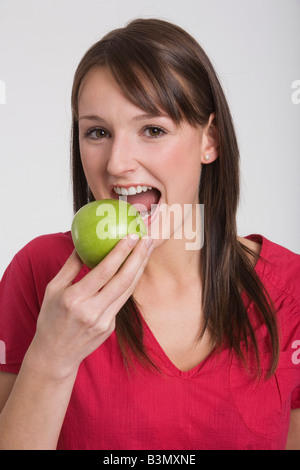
(279, 270)
(55, 242)
(44, 256)
(48, 246)
(278, 266)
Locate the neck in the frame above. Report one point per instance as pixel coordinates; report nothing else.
(176, 258)
(172, 265)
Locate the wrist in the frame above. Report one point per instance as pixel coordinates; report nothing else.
(42, 363)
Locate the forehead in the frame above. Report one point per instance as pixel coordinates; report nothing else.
(99, 90)
(98, 82)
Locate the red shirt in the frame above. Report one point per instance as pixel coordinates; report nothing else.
(215, 405)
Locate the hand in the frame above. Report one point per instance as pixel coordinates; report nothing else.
(76, 319)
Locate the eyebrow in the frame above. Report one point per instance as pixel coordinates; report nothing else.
(91, 118)
(141, 117)
(138, 117)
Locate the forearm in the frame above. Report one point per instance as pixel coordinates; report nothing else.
(74, 320)
(34, 413)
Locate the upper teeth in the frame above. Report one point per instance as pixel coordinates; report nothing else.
(131, 190)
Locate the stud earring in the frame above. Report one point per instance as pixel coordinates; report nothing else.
(207, 157)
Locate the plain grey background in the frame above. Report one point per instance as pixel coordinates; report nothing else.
(255, 47)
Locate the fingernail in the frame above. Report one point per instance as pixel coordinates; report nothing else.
(133, 239)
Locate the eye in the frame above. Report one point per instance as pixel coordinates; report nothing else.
(97, 133)
(153, 131)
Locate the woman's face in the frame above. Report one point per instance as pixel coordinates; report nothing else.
(124, 149)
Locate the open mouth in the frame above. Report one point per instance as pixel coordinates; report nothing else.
(144, 198)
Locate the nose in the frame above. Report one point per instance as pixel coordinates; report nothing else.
(122, 156)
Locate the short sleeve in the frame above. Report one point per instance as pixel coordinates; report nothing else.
(19, 308)
(22, 290)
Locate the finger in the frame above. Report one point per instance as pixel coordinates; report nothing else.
(69, 271)
(112, 310)
(106, 269)
(123, 283)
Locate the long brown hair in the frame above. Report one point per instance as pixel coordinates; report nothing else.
(160, 67)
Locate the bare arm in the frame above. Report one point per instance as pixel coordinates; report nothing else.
(33, 414)
(74, 320)
(7, 381)
(293, 442)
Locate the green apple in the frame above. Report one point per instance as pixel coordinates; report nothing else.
(98, 226)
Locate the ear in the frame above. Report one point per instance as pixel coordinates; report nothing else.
(210, 141)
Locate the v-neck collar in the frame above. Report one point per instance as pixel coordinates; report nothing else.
(169, 367)
(153, 344)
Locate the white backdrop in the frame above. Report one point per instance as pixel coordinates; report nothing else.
(255, 47)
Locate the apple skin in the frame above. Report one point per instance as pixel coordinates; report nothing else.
(99, 225)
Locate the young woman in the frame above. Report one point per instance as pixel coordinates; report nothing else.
(159, 346)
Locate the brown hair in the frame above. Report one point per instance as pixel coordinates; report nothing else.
(160, 67)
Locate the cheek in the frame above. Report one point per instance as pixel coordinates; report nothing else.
(91, 161)
(93, 169)
(182, 164)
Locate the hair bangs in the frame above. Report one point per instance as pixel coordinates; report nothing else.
(148, 81)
